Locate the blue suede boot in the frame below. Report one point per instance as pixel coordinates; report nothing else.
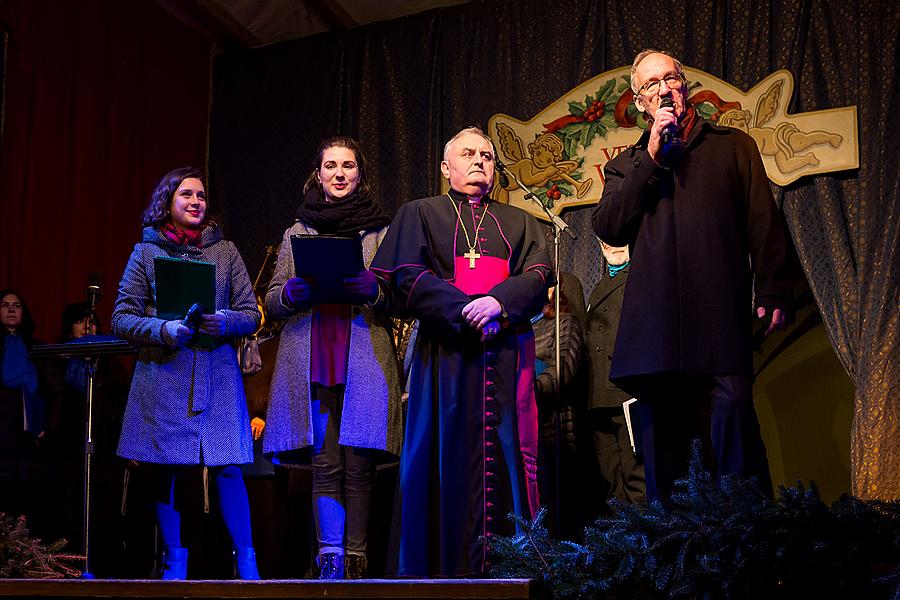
(245, 559)
(174, 563)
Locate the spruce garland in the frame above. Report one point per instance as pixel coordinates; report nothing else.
(720, 538)
(22, 556)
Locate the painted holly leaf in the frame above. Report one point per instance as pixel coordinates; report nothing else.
(705, 110)
(571, 142)
(576, 109)
(585, 138)
(541, 195)
(606, 90)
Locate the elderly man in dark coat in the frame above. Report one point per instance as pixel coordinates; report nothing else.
(692, 201)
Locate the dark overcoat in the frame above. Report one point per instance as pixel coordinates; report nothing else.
(603, 312)
(703, 230)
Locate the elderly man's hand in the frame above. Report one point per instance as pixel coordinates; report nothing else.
(778, 320)
(480, 311)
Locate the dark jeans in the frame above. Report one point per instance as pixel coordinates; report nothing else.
(717, 409)
(342, 479)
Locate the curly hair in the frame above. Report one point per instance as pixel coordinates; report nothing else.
(340, 141)
(160, 207)
(550, 142)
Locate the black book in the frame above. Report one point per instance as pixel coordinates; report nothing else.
(327, 260)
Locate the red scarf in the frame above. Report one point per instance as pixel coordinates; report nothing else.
(182, 236)
(690, 119)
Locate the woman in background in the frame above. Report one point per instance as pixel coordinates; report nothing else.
(27, 412)
(335, 394)
(186, 405)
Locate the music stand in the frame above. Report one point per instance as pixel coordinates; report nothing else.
(90, 348)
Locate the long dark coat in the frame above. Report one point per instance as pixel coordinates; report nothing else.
(703, 232)
(603, 312)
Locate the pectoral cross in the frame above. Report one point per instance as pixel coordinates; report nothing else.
(471, 255)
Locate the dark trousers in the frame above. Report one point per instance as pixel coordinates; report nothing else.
(619, 467)
(717, 409)
(342, 481)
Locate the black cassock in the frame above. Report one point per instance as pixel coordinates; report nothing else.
(470, 446)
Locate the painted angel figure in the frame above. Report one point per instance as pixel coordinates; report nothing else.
(785, 140)
(543, 163)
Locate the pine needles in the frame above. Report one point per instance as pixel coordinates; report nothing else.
(720, 538)
(22, 556)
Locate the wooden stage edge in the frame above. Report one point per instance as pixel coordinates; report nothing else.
(391, 589)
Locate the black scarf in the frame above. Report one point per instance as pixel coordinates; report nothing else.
(357, 212)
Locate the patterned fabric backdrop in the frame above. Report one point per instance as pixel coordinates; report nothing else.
(405, 86)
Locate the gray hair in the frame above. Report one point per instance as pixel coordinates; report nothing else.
(470, 129)
(644, 54)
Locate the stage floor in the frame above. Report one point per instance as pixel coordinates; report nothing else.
(390, 589)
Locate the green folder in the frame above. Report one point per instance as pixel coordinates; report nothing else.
(179, 284)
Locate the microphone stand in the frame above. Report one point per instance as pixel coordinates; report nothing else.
(90, 363)
(559, 226)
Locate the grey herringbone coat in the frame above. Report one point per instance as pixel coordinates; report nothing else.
(186, 405)
(371, 415)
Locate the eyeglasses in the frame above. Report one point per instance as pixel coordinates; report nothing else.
(673, 81)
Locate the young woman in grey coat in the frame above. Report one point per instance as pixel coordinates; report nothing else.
(335, 394)
(186, 405)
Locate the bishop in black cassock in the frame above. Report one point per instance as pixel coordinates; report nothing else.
(473, 273)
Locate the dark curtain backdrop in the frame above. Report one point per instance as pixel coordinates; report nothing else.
(404, 87)
(102, 98)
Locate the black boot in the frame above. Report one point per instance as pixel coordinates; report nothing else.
(331, 565)
(354, 566)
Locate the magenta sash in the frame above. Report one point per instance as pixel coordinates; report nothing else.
(526, 407)
(488, 272)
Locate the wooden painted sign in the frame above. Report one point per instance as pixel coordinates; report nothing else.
(560, 153)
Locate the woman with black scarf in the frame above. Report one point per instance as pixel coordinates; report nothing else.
(335, 393)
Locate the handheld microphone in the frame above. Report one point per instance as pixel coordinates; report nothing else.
(665, 137)
(194, 319)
